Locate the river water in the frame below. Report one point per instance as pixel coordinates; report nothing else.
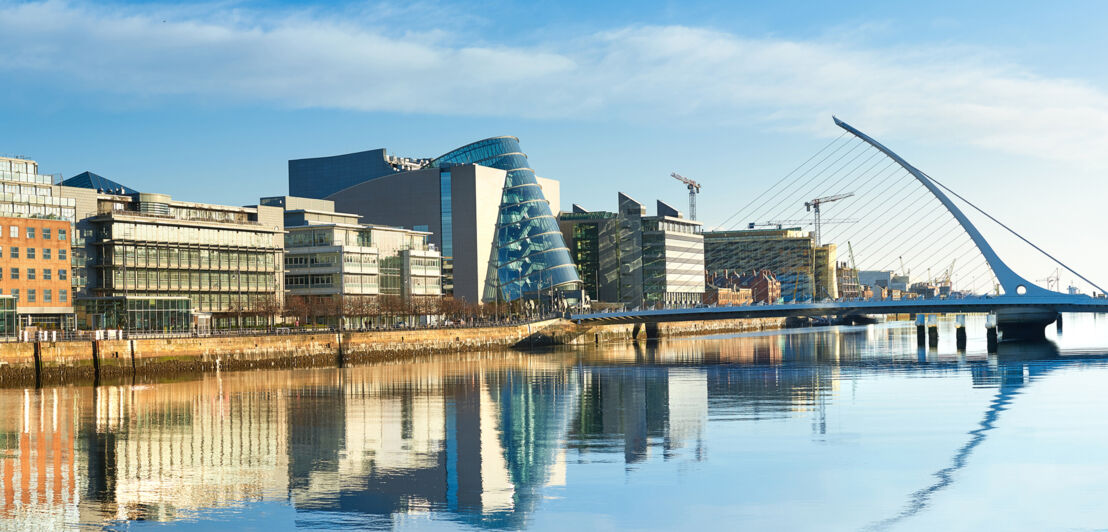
(842, 428)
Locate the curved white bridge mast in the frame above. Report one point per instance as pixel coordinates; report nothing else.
(1012, 283)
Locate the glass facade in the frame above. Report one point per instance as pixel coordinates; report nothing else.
(229, 270)
(149, 314)
(531, 255)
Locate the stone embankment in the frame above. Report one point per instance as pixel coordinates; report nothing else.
(37, 363)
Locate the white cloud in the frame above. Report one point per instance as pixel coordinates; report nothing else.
(314, 59)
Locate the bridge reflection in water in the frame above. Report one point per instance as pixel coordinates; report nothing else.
(481, 440)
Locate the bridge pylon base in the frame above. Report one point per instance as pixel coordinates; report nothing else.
(1025, 323)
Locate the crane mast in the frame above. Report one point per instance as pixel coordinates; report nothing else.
(694, 189)
(813, 207)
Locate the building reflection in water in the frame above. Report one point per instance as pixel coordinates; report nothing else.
(481, 439)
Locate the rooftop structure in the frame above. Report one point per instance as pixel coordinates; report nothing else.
(97, 182)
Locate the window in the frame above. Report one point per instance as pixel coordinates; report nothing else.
(31, 295)
(15, 294)
(63, 295)
(46, 274)
(47, 296)
(61, 254)
(62, 274)
(46, 233)
(46, 253)
(15, 273)
(15, 252)
(30, 234)
(13, 231)
(61, 234)
(30, 273)
(30, 253)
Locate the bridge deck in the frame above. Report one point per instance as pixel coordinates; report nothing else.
(1058, 303)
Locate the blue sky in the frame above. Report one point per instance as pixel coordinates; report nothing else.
(1007, 102)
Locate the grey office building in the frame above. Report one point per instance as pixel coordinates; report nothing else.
(637, 260)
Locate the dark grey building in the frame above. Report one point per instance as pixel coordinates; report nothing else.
(319, 177)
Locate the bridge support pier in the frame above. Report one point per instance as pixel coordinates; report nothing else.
(635, 331)
(652, 330)
(921, 330)
(1058, 324)
(1025, 323)
(960, 332)
(932, 330)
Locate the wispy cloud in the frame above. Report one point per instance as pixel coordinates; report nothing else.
(359, 61)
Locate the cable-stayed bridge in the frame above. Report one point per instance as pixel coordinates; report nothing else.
(905, 218)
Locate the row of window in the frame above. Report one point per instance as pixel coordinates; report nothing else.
(47, 275)
(47, 295)
(171, 257)
(186, 280)
(47, 233)
(47, 253)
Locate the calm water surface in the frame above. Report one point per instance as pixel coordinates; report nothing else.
(833, 429)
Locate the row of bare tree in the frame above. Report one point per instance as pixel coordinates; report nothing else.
(305, 310)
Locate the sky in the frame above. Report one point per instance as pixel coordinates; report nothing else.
(1006, 102)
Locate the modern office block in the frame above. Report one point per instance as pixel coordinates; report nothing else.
(804, 270)
(636, 260)
(225, 260)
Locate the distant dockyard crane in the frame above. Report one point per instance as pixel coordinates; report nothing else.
(694, 189)
(813, 207)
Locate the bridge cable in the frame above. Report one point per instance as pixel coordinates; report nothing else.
(782, 180)
(794, 189)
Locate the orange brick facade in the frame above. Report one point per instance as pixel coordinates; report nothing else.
(34, 264)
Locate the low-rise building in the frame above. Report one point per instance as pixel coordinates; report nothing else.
(728, 297)
(764, 287)
(848, 285)
(339, 269)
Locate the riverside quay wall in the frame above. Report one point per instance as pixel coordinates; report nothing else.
(44, 362)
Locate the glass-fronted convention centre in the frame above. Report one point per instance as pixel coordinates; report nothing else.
(531, 256)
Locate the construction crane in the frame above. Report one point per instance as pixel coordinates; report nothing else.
(694, 189)
(796, 223)
(813, 207)
(854, 266)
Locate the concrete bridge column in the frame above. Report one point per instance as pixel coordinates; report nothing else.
(932, 330)
(651, 330)
(1025, 323)
(921, 330)
(960, 332)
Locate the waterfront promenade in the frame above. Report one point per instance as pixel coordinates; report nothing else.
(70, 361)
